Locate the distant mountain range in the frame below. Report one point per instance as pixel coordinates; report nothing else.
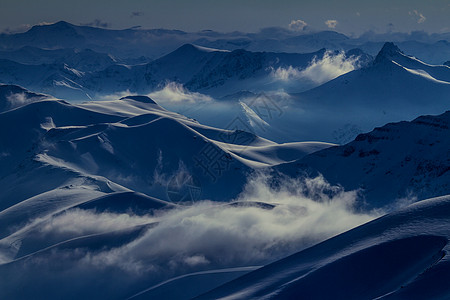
(134, 43)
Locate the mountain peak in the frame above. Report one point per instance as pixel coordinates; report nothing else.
(56, 25)
(388, 51)
(59, 28)
(61, 24)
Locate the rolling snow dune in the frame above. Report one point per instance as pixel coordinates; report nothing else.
(88, 139)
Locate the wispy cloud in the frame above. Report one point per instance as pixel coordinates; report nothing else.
(175, 92)
(297, 213)
(331, 23)
(269, 221)
(18, 99)
(297, 25)
(420, 18)
(286, 74)
(330, 66)
(172, 92)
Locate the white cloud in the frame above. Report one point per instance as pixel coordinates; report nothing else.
(331, 23)
(319, 70)
(83, 222)
(175, 92)
(418, 16)
(297, 25)
(171, 93)
(208, 235)
(305, 211)
(286, 74)
(19, 99)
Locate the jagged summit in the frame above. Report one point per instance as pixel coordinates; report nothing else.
(388, 51)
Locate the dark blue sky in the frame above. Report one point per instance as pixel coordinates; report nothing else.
(346, 16)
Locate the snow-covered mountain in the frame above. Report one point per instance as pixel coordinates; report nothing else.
(394, 87)
(392, 80)
(75, 75)
(212, 71)
(405, 161)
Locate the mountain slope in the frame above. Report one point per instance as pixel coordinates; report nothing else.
(58, 80)
(405, 160)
